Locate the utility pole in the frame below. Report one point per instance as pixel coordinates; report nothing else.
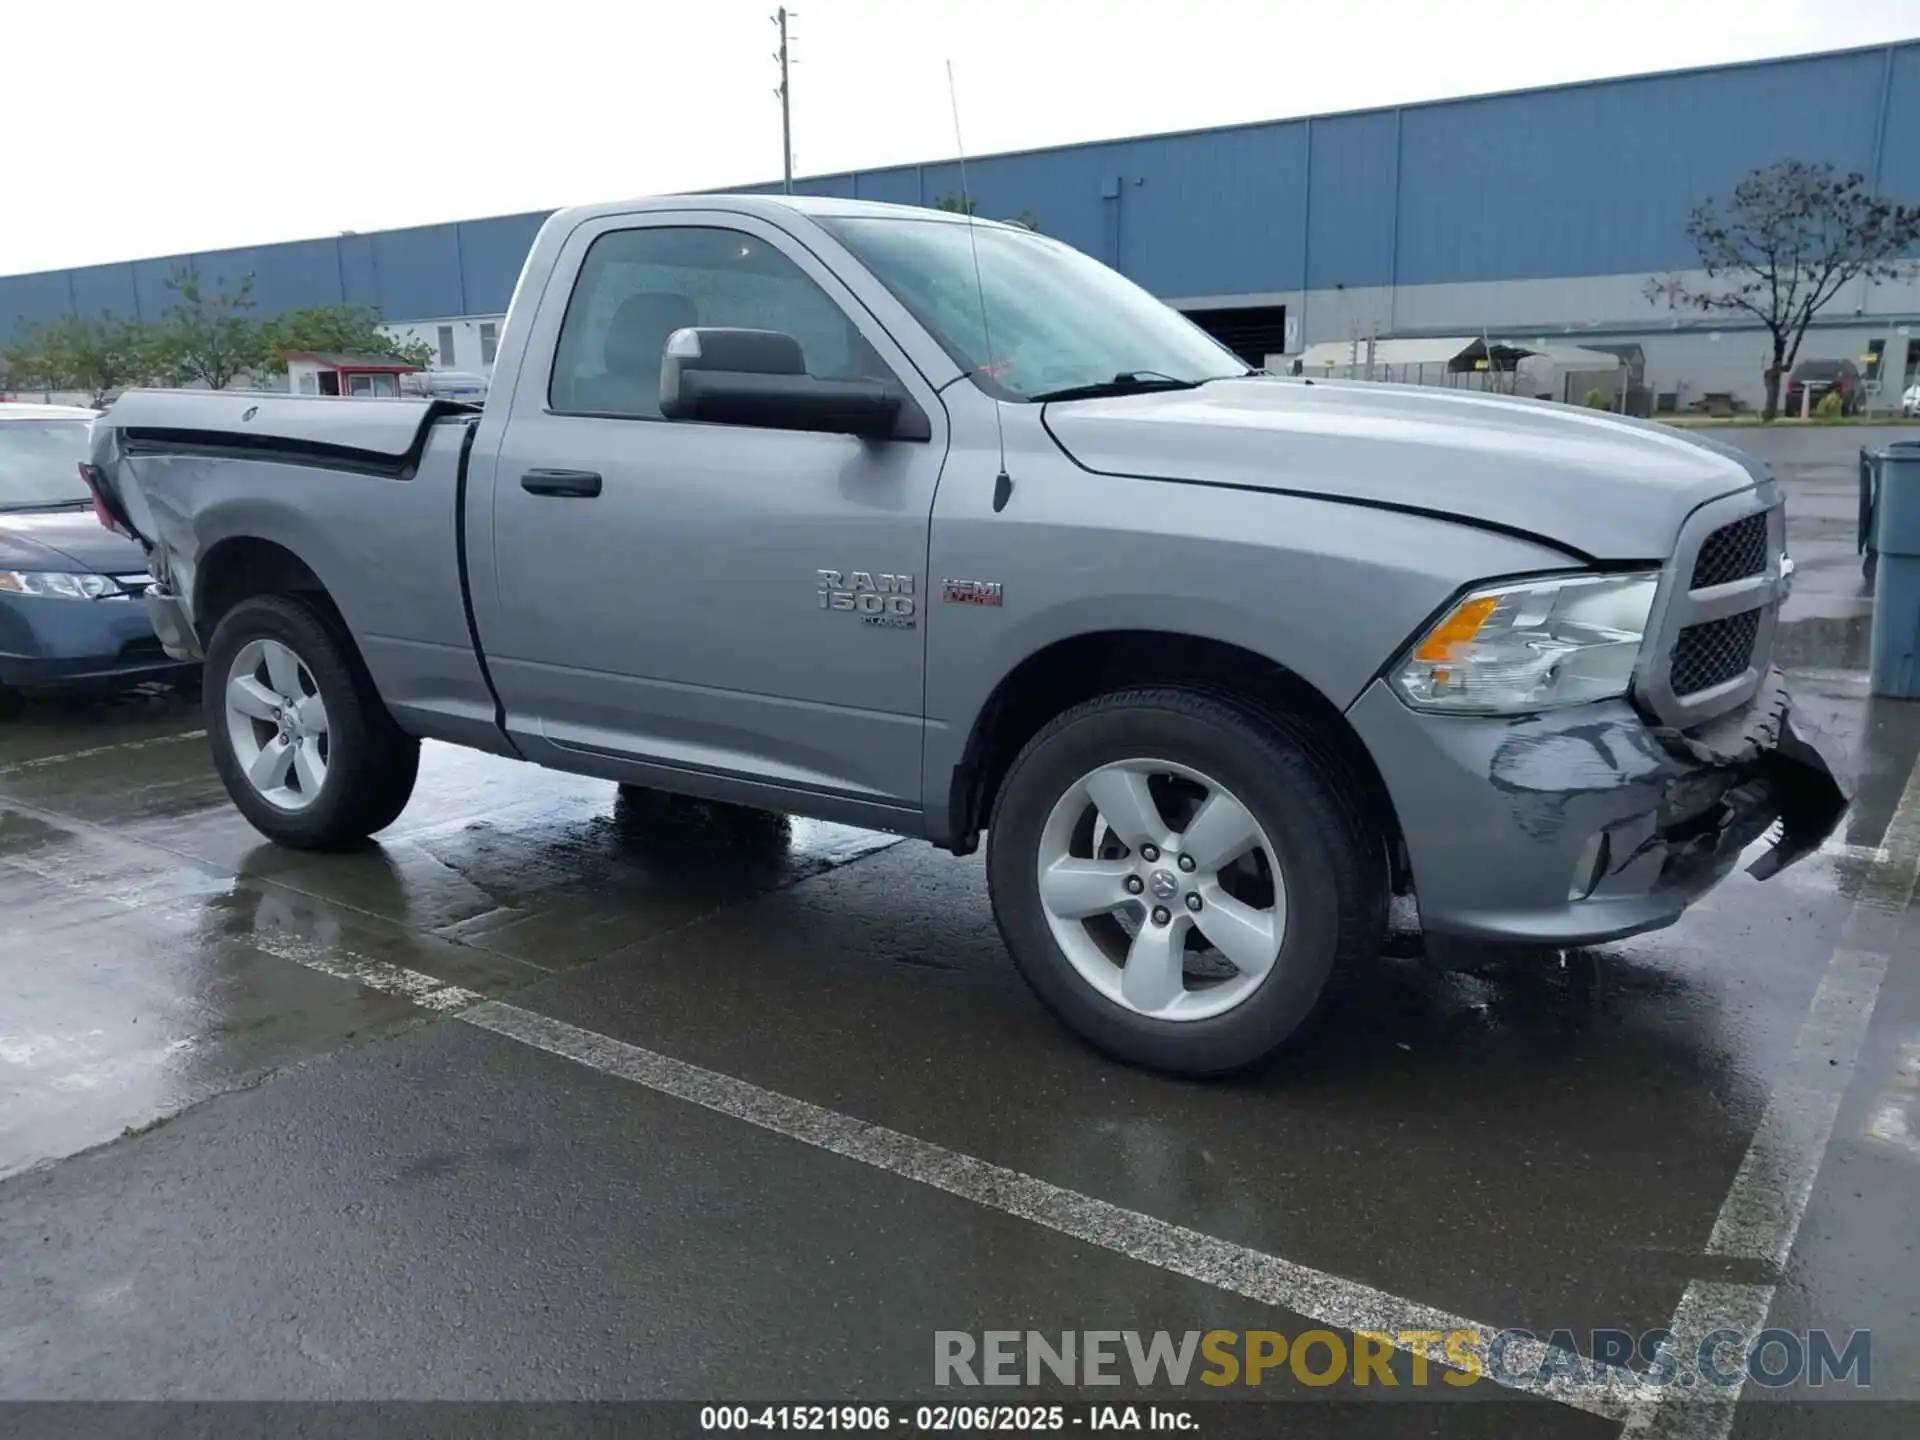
(780, 18)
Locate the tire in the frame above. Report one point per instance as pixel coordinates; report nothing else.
(367, 763)
(1328, 857)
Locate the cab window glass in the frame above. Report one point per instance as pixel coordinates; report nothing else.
(637, 287)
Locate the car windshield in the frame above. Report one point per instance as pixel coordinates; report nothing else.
(1818, 369)
(1038, 317)
(40, 464)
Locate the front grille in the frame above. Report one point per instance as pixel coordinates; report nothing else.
(1713, 653)
(1733, 552)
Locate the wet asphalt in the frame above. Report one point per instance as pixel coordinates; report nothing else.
(235, 1165)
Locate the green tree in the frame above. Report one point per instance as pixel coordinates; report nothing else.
(96, 354)
(27, 364)
(335, 330)
(208, 334)
(102, 354)
(1783, 245)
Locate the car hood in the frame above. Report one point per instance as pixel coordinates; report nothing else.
(66, 540)
(1596, 485)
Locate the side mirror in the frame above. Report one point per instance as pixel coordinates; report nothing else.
(759, 378)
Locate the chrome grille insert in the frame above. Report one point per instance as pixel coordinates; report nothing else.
(1733, 552)
(1714, 653)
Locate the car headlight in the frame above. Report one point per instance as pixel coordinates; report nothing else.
(1531, 645)
(57, 583)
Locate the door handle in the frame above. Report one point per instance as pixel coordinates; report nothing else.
(579, 483)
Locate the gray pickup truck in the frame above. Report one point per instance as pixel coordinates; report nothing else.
(939, 527)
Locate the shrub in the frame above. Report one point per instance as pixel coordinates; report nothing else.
(1830, 406)
(1598, 399)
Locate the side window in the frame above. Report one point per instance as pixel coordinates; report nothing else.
(636, 287)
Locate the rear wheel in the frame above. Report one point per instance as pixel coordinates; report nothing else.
(1183, 884)
(299, 735)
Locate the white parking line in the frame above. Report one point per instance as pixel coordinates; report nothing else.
(1760, 1217)
(45, 760)
(1704, 1412)
(1761, 1214)
(1314, 1294)
(426, 991)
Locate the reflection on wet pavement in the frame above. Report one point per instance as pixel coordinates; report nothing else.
(145, 916)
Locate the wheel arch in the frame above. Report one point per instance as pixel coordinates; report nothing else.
(241, 567)
(1078, 668)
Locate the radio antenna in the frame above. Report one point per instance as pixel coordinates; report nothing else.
(1002, 483)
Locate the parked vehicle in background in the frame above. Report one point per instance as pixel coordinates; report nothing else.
(1910, 402)
(68, 617)
(445, 385)
(1820, 376)
(891, 517)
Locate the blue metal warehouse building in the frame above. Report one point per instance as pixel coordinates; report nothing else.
(1531, 214)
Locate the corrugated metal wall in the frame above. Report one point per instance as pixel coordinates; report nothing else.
(1584, 180)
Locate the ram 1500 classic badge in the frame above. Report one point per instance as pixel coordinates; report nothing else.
(881, 600)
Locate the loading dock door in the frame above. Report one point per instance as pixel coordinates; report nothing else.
(1252, 332)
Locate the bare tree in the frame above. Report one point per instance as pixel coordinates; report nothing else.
(1783, 245)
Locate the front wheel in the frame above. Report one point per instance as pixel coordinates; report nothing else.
(1185, 885)
(299, 735)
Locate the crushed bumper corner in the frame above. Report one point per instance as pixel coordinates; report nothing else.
(1796, 779)
(1811, 798)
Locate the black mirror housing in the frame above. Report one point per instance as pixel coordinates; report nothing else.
(759, 378)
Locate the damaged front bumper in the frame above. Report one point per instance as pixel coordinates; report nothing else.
(1588, 824)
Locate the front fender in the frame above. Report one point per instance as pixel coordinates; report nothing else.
(1327, 590)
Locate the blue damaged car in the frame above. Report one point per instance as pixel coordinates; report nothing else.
(70, 617)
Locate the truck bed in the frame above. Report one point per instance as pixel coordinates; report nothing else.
(365, 494)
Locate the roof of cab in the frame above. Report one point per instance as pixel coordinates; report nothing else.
(820, 206)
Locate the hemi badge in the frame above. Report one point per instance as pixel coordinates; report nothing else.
(971, 592)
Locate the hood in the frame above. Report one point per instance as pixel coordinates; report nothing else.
(1599, 486)
(66, 540)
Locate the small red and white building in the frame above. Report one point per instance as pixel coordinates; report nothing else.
(309, 373)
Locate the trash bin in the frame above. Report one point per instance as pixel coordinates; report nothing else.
(1895, 662)
(1870, 462)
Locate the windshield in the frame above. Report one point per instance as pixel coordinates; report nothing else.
(40, 463)
(1054, 319)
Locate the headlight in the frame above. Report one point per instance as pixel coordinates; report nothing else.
(1531, 645)
(56, 583)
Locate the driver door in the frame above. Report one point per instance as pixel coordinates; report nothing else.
(668, 611)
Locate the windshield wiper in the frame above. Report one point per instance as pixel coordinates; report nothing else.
(1135, 382)
(1127, 382)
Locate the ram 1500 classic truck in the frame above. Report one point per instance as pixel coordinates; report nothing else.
(938, 526)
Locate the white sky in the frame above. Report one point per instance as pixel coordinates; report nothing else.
(147, 127)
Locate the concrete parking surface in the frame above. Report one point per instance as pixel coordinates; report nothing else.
(553, 1096)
